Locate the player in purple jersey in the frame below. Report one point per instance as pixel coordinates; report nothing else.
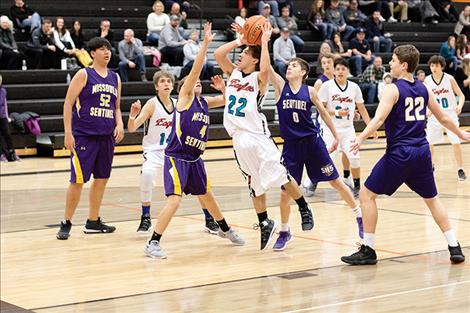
(92, 124)
(303, 145)
(407, 158)
(183, 168)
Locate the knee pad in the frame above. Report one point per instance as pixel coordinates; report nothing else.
(146, 186)
(355, 162)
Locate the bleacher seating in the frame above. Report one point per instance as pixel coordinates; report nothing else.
(43, 91)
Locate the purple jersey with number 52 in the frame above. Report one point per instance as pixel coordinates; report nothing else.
(406, 123)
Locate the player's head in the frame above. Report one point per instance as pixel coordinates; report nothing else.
(404, 60)
(341, 69)
(420, 75)
(164, 82)
(297, 68)
(197, 87)
(100, 49)
(436, 64)
(327, 62)
(248, 61)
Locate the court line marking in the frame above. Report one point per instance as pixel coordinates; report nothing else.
(378, 297)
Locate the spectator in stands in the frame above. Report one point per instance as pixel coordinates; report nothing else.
(462, 76)
(176, 10)
(361, 51)
(283, 51)
(353, 16)
(316, 20)
(376, 35)
(24, 16)
(396, 6)
(184, 4)
(270, 18)
(369, 6)
(448, 52)
(273, 5)
(463, 24)
(337, 48)
(334, 16)
(63, 41)
(10, 57)
(191, 49)
(131, 54)
(286, 21)
(171, 43)
(40, 48)
(105, 32)
(420, 75)
(446, 10)
(7, 150)
(369, 80)
(242, 17)
(77, 35)
(386, 81)
(423, 9)
(461, 46)
(155, 22)
(287, 3)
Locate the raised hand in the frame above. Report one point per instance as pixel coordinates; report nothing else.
(355, 145)
(240, 31)
(218, 83)
(208, 35)
(135, 108)
(267, 31)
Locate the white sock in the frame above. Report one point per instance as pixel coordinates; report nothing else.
(369, 240)
(284, 227)
(450, 237)
(357, 211)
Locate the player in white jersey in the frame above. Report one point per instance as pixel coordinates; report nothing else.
(445, 89)
(341, 97)
(256, 153)
(157, 117)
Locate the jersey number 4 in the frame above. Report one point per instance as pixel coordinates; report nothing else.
(239, 109)
(413, 108)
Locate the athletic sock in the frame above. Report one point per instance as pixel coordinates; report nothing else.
(223, 225)
(284, 227)
(357, 182)
(357, 211)
(346, 173)
(450, 237)
(301, 202)
(146, 210)
(262, 216)
(207, 214)
(156, 236)
(369, 240)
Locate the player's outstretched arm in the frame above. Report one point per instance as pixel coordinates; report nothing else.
(119, 129)
(325, 117)
(138, 117)
(276, 81)
(76, 86)
(365, 115)
(265, 61)
(218, 83)
(221, 53)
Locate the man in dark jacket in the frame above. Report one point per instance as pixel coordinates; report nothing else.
(41, 48)
(375, 33)
(24, 16)
(10, 58)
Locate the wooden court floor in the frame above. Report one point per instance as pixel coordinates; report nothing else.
(204, 273)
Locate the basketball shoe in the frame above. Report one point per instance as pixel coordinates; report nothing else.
(267, 228)
(211, 226)
(145, 224)
(456, 254)
(461, 175)
(232, 236)
(365, 256)
(282, 240)
(310, 189)
(64, 231)
(94, 227)
(307, 218)
(153, 250)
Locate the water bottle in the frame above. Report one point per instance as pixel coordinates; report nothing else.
(68, 79)
(24, 67)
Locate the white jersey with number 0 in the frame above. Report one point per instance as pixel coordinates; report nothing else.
(243, 105)
(158, 127)
(443, 92)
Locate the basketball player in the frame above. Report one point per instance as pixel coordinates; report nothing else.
(445, 88)
(407, 158)
(157, 114)
(256, 153)
(183, 169)
(341, 97)
(92, 124)
(303, 144)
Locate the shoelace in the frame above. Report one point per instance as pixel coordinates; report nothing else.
(305, 214)
(146, 223)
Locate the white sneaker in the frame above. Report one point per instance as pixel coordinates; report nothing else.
(232, 236)
(153, 250)
(348, 181)
(392, 20)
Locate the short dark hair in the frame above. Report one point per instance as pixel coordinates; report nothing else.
(342, 61)
(98, 42)
(408, 54)
(255, 52)
(47, 21)
(303, 65)
(437, 59)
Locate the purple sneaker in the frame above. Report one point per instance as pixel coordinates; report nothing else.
(3, 158)
(361, 228)
(282, 240)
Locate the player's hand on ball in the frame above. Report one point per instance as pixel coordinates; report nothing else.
(135, 108)
(267, 31)
(118, 133)
(218, 83)
(241, 33)
(355, 145)
(208, 35)
(69, 141)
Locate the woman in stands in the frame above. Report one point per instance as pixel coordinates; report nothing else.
(65, 43)
(316, 20)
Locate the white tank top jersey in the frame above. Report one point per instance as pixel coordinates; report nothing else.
(338, 98)
(443, 92)
(157, 129)
(243, 105)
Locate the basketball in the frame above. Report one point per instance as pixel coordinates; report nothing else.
(254, 29)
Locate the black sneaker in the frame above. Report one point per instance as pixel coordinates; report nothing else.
(307, 218)
(211, 226)
(64, 231)
(267, 228)
(145, 225)
(93, 227)
(365, 256)
(456, 255)
(356, 191)
(462, 175)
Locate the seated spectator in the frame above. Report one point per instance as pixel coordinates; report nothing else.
(40, 49)
(386, 81)
(286, 21)
(171, 43)
(24, 16)
(283, 51)
(463, 24)
(191, 49)
(362, 55)
(316, 20)
(448, 52)
(270, 18)
(461, 46)
(77, 35)
(7, 150)
(369, 6)
(105, 31)
(369, 80)
(10, 57)
(462, 76)
(175, 10)
(353, 16)
(131, 54)
(64, 43)
(424, 10)
(241, 19)
(396, 6)
(446, 10)
(375, 33)
(287, 3)
(420, 75)
(334, 16)
(155, 22)
(273, 5)
(184, 4)
(338, 49)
